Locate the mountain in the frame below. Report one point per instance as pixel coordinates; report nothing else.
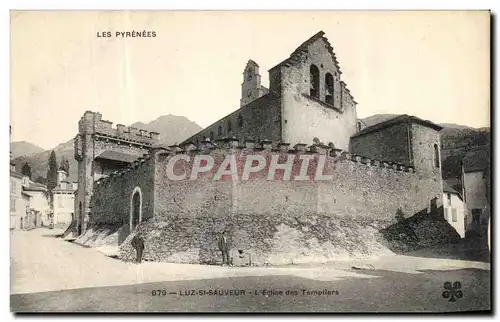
(23, 148)
(456, 142)
(172, 129)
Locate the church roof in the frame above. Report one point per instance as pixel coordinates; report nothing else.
(117, 156)
(396, 120)
(295, 56)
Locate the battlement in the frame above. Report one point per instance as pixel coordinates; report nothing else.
(231, 144)
(92, 122)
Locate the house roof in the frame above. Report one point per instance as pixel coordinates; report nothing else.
(117, 156)
(16, 174)
(35, 186)
(405, 118)
(448, 188)
(477, 159)
(295, 56)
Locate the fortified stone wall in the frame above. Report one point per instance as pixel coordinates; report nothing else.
(96, 136)
(111, 200)
(277, 221)
(356, 184)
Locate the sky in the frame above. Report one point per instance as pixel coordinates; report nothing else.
(434, 65)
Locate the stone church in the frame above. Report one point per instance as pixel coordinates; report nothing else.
(375, 172)
(306, 99)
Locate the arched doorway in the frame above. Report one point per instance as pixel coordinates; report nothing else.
(135, 208)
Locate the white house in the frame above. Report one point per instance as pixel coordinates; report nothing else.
(63, 199)
(476, 187)
(454, 209)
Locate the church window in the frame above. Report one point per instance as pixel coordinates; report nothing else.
(220, 130)
(436, 156)
(314, 79)
(329, 88)
(240, 120)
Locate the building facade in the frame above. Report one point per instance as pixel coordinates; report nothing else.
(476, 178)
(454, 209)
(306, 98)
(63, 199)
(306, 114)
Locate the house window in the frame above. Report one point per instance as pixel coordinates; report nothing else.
(454, 214)
(314, 79)
(220, 130)
(12, 204)
(448, 195)
(436, 156)
(229, 127)
(476, 215)
(329, 88)
(211, 135)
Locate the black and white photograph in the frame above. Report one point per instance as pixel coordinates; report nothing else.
(250, 161)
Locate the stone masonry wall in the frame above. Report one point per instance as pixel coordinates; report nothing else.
(264, 216)
(391, 143)
(306, 117)
(112, 196)
(260, 119)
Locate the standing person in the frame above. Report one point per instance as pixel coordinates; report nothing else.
(138, 244)
(225, 247)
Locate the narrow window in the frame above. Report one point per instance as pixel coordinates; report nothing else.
(314, 79)
(329, 88)
(211, 135)
(220, 130)
(240, 120)
(436, 156)
(229, 129)
(449, 199)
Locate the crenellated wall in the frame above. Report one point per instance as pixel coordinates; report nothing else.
(358, 187)
(111, 199)
(95, 137)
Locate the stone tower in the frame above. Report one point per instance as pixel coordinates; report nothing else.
(251, 88)
(100, 150)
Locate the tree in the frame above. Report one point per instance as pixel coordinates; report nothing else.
(52, 171)
(64, 165)
(26, 170)
(41, 179)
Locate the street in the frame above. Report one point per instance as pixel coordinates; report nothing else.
(51, 275)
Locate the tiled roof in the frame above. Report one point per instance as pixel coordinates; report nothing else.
(396, 120)
(477, 159)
